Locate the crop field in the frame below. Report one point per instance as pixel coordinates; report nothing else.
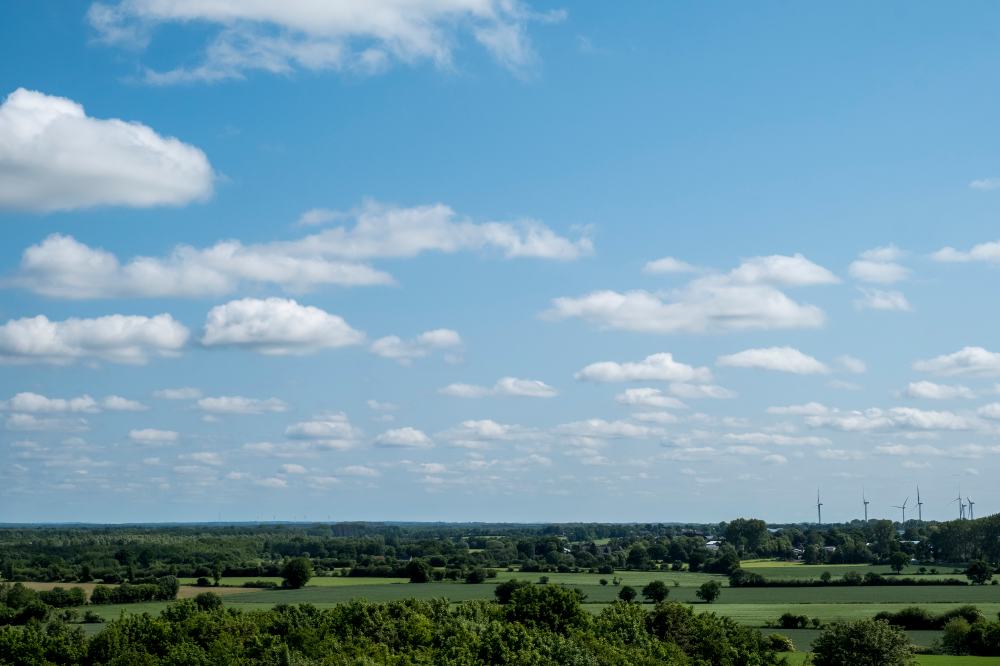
(755, 607)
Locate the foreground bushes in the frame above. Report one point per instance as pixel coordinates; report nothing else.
(540, 625)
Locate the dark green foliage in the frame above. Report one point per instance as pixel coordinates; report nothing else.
(418, 571)
(862, 643)
(627, 593)
(898, 560)
(476, 576)
(296, 572)
(979, 572)
(793, 621)
(403, 633)
(656, 591)
(208, 601)
(505, 590)
(709, 591)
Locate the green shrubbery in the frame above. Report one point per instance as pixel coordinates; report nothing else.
(541, 624)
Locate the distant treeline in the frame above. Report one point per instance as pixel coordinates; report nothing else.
(135, 554)
(744, 578)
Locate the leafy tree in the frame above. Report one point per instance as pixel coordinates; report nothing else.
(556, 609)
(656, 591)
(979, 572)
(863, 643)
(419, 571)
(709, 591)
(208, 601)
(638, 557)
(476, 576)
(505, 590)
(898, 560)
(627, 593)
(296, 572)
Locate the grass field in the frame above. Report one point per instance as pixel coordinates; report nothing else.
(317, 581)
(797, 658)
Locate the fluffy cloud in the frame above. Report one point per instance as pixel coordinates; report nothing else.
(776, 439)
(333, 428)
(234, 404)
(30, 422)
(985, 252)
(895, 418)
(404, 351)
(509, 386)
(668, 265)
(203, 457)
(62, 267)
(881, 299)
(406, 438)
(359, 470)
(972, 361)
(602, 429)
(746, 298)
(35, 403)
(478, 433)
(656, 367)
(648, 397)
(54, 157)
(153, 436)
(358, 37)
(276, 326)
(780, 359)
(931, 391)
(114, 338)
(292, 468)
(990, 411)
(879, 266)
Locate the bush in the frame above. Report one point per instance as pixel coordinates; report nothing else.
(863, 643)
(90, 617)
(296, 572)
(792, 621)
(505, 590)
(208, 601)
(656, 591)
(627, 593)
(709, 591)
(203, 582)
(780, 643)
(476, 576)
(263, 584)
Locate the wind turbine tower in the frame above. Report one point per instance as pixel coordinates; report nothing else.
(903, 507)
(961, 505)
(920, 506)
(866, 502)
(819, 509)
(971, 504)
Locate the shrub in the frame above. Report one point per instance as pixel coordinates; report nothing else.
(780, 643)
(627, 593)
(296, 572)
(863, 643)
(709, 591)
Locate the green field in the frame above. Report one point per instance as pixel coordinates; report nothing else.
(320, 581)
(797, 658)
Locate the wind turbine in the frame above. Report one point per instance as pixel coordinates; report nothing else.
(971, 504)
(819, 509)
(920, 507)
(903, 507)
(866, 502)
(961, 505)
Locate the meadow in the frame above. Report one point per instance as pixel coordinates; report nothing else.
(755, 607)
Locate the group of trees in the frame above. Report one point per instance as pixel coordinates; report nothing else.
(21, 605)
(538, 624)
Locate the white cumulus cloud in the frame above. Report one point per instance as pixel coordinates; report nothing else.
(234, 404)
(656, 367)
(505, 386)
(971, 361)
(931, 391)
(55, 157)
(747, 298)
(404, 438)
(276, 326)
(779, 359)
(113, 338)
(404, 351)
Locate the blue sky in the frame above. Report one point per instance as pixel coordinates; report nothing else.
(484, 260)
